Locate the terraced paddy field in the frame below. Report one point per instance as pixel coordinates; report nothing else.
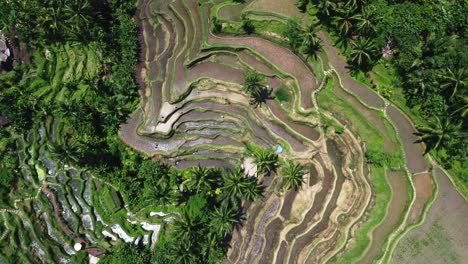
(351, 208)
(195, 112)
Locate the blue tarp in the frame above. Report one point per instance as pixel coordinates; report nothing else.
(279, 150)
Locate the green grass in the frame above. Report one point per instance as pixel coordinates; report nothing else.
(107, 199)
(331, 102)
(282, 95)
(274, 26)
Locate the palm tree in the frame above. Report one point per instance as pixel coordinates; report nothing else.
(182, 252)
(462, 106)
(293, 32)
(200, 179)
(64, 154)
(252, 81)
(454, 80)
(223, 219)
(185, 228)
(236, 186)
(293, 175)
(311, 43)
(326, 7)
(255, 86)
(362, 53)
(420, 83)
(259, 96)
(302, 5)
(265, 160)
(438, 133)
(345, 20)
(365, 25)
(253, 190)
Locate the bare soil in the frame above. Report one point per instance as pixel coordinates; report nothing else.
(424, 189)
(394, 215)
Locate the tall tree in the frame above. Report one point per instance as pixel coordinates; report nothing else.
(293, 32)
(439, 133)
(362, 53)
(293, 175)
(454, 80)
(237, 186)
(346, 19)
(302, 5)
(326, 7)
(265, 160)
(311, 42)
(255, 85)
(223, 219)
(201, 179)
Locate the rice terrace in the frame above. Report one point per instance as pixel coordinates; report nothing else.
(233, 131)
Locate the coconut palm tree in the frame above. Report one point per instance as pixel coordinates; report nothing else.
(326, 7)
(438, 133)
(185, 228)
(420, 82)
(200, 179)
(253, 190)
(345, 19)
(454, 80)
(182, 252)
(311, 43)
(293, 32)
(365, 25)
(223, 219)
(265, 160)
(255, 86)
(293, 175)
(66, 154)
(461, 107)
(253, 80)
(236, 186)
(362, 53)
(259, 96)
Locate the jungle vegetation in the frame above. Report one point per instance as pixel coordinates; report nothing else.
(424, 43)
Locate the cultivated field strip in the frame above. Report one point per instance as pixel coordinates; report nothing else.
(194, 112)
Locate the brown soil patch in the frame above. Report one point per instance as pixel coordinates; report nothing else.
(303, 130)
(287, 203)
(394, 215)
(302, 242)
(424, 187)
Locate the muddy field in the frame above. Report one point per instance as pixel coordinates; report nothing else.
(442, 237)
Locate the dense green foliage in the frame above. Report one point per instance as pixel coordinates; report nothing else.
(293, 175)
(426, 42)
(256, 87)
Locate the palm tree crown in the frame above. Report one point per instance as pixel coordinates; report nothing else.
(438, 133)
(293, 175)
